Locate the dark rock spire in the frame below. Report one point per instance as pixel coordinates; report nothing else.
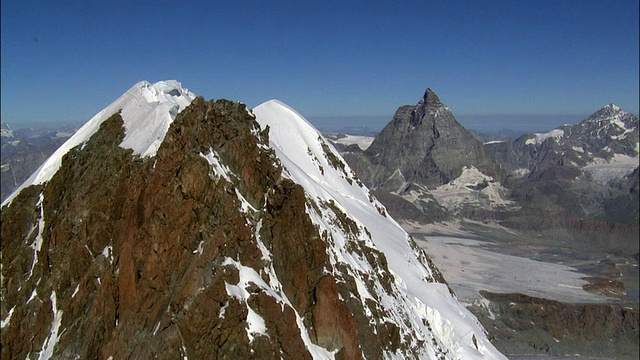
(430, 99)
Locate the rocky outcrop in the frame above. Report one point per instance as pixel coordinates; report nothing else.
(524, 325)
(561, 227)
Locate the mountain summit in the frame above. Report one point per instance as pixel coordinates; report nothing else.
(430, 99)
(422, 148)
(174, 227)
(147, 111)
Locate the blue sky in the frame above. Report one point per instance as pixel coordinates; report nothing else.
(65, 61)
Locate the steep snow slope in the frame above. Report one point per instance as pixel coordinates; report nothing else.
(147, 110)
(422, 305)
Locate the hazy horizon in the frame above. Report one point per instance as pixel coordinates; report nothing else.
(68, 60)
(481, 123)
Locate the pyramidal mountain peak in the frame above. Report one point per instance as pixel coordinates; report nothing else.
(170, 226)
(607, 112)
(612, 106)
(430, 99)
(422, 144)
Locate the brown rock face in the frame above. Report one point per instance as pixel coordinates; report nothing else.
(134, 257)
(334, 324)
(520, 324)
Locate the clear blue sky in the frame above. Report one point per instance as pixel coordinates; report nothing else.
(65, 61)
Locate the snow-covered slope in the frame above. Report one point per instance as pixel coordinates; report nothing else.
(147, 110)
(539, 138)
(424, 308)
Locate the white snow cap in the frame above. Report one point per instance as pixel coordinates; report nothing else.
(147, 110)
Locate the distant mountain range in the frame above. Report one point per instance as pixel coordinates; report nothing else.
(589, 168)
(24, 150)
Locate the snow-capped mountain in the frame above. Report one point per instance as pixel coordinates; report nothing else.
(156, 104)
(584, 166)
(609, 136)
(169, 226)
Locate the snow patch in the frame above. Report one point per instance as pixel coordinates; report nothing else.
(539, 138)
(6, 320)
(471, 187)
(219, 169)
(37, 244)
(521, 172)
(255, 322)
(107, 252)
(494, 142)
(51, 341)
(200, 248)
(75, 291)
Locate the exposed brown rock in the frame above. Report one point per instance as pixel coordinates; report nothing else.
(335, 327)
(133, 250)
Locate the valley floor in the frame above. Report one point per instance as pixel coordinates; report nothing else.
(475, 256)
(487, 265)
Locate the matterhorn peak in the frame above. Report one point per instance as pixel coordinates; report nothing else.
(430, 99)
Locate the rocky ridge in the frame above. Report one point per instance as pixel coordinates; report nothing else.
(521, 324)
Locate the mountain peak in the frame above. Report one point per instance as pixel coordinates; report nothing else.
(430, 99)
(609, 113)
(275, 228)
(148, 109)
(612, 106)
